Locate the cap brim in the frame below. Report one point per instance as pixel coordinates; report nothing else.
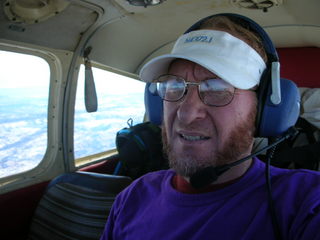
(160, 65)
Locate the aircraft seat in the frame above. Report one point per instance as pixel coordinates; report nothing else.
(76, 206)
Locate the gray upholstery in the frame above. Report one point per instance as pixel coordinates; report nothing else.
(76, 206)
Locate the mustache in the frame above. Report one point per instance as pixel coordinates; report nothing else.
(194, 126)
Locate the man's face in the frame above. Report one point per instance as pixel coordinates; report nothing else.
(196, 135)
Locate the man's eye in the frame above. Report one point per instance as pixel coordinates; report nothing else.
(215, 85)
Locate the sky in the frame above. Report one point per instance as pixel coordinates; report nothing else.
(17, 70)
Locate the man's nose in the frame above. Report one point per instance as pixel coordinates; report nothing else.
(191, 107)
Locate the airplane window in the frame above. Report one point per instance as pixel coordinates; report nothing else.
(24, 84)
(119, 98)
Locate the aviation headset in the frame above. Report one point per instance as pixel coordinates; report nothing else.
(278, 98)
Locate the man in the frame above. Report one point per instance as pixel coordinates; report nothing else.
(210, 108)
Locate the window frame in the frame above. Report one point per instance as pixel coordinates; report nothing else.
(48, 166)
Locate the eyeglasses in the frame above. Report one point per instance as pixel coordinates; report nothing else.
(212, 92)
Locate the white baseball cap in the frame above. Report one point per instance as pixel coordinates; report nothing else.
(221, 53)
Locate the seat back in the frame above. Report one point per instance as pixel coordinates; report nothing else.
(76, 206)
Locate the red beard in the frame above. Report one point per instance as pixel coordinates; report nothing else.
(239, 142)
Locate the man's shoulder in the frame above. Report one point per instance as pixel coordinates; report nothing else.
(299, 184)
(284, 174)
(150, 182)
(299, 175)
(154, 177)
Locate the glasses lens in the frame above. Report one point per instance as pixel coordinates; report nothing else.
(170, 88)
(216, 92)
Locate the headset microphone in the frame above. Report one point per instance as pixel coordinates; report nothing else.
(210, 174)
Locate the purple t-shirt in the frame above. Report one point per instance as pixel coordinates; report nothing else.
(150, 208)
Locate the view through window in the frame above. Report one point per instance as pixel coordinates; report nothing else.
(24, 89)
(24, 86)
(119, 99)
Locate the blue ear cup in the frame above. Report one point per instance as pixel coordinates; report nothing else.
(277, 119)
